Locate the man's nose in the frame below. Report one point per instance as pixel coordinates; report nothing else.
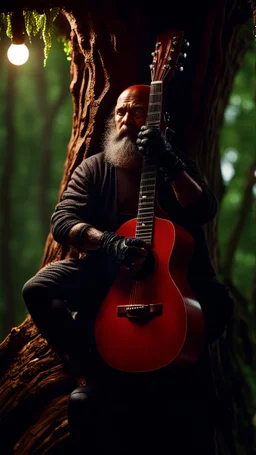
(127, 119)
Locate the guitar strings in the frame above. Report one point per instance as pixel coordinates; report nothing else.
(154, 117)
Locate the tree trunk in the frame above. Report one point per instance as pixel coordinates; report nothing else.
(111, 49)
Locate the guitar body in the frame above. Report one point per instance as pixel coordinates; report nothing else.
(174, 332)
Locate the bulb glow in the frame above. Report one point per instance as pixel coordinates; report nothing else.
(18, 54)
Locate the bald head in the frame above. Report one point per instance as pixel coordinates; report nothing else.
(138, 92)
(131, 109)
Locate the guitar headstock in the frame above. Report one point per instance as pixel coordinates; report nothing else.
(166, 55)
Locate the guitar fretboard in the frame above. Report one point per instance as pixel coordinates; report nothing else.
(146, 207)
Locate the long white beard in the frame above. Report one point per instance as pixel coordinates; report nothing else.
(120, 151)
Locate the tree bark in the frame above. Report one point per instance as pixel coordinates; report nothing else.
(111, 49)
(34, 390)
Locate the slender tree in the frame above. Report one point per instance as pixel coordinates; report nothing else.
(49, 110)
(6, 263)
(245, 209)
(109, 40)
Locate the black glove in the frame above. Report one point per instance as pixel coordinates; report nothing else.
(153, 143)
(123, 250)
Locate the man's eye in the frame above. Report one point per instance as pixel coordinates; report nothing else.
(138, 112)
(121, 112)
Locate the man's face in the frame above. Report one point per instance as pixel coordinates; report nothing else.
(121, 131)
(131, 112)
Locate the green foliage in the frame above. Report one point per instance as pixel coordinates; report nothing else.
(66, 45)
(47, 30)
(9, 26)
(238, 140)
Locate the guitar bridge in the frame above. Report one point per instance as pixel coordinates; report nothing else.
(140, 312)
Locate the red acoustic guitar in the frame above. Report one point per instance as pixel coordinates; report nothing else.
(150, 318)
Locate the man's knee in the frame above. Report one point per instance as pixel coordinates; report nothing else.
(37, 296)
(31, 290)
(40, 287)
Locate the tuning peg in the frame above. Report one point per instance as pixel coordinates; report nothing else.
(179, 67)
(152, 70)
(186, 43)
(184, 55)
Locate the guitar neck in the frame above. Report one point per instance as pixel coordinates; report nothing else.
(146, 206)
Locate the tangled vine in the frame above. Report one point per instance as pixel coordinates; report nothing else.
(34, 23)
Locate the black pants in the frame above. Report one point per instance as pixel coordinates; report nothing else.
(65, 287)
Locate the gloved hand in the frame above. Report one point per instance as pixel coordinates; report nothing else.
(125, 251)
(153, 143)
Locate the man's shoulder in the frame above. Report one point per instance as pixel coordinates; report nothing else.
(96, 166)
(96, 159)
(93, 162)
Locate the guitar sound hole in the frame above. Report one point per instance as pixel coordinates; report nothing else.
(146, 269)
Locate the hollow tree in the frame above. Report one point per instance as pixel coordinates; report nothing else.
(111, 45)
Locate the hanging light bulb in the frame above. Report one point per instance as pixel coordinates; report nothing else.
(18, 52)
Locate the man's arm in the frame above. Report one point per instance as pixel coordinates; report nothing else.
(84, 237)
(191, 191)
(186, 189)
(75, 208)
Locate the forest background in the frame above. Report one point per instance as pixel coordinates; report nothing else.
(35, 128)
